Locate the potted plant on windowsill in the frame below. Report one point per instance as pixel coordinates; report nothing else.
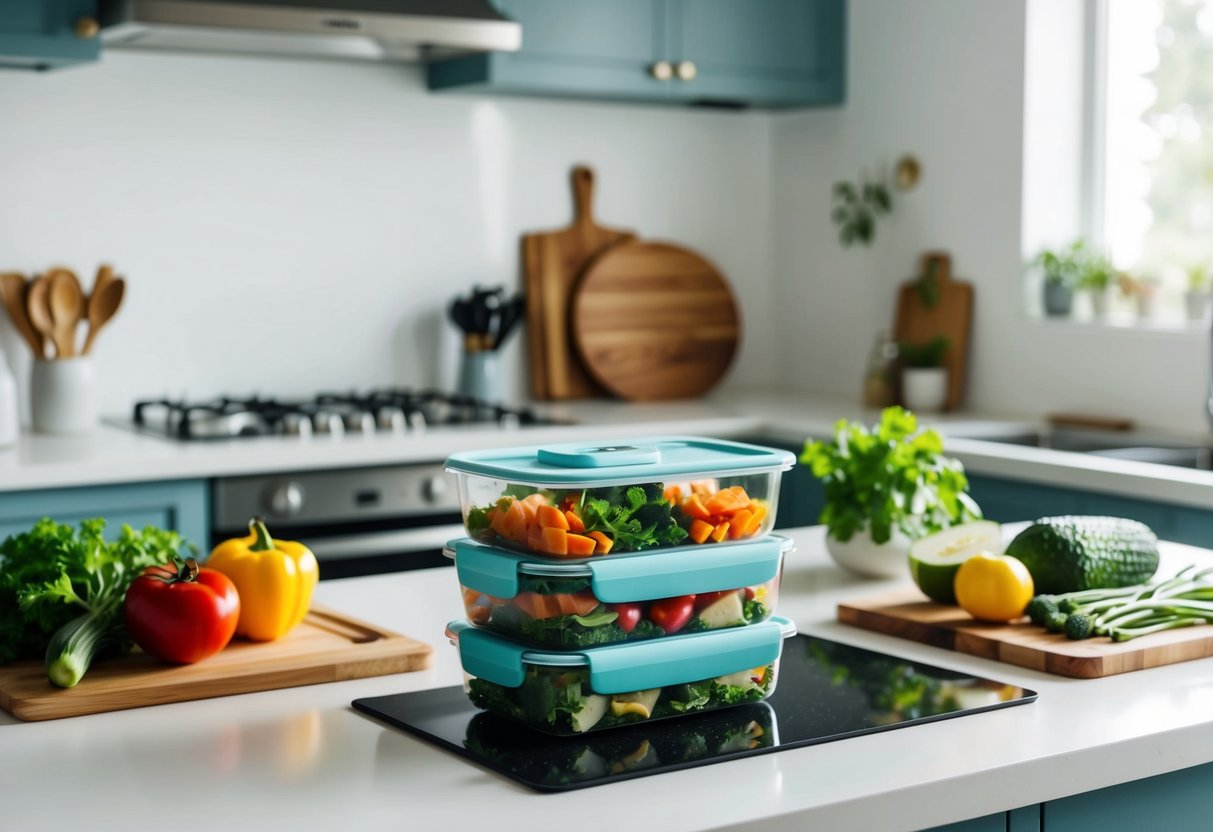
(885, 487)
(1096, 277)
(1144, 291)
(1061, 272)
(924, 378)
(1198, 297)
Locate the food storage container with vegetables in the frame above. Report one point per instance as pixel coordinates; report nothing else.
(633, 597)
(619, 684)
(586, 499)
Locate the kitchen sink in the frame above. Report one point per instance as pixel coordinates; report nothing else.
(1130, 447)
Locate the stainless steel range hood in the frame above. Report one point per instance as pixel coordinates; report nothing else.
(378, 30)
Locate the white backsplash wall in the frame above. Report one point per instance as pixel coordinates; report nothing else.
(944, 79)
(288, 226)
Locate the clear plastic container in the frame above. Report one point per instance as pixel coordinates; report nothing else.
(620, 684)
(564, 606)
(587, 499)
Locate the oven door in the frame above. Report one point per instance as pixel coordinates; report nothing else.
(360, 521)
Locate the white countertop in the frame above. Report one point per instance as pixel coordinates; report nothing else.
(304, 757)
(116, 455)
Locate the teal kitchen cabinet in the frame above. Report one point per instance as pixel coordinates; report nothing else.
(730, 53)
(182, 505)
(989, 823)
(1178, 800)
(45, 34)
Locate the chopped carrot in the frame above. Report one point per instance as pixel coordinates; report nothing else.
(470, 597)
(728, 501)
(693, 507)
(497, 520)
(534, 539)
(603, 543)
(513, 526)
(550, 517)
(673, 494)
(528, 511)
(707, 487)
(479, 614)
(760, 509)
(740, 521)
(576, 603)
(751, 528)
(535, 499)
(555, 541)
(700, 530)
(720, 532)
(580, 545)
(575, 524)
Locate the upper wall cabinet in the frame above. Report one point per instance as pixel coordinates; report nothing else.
(44, 34)
(731, 53)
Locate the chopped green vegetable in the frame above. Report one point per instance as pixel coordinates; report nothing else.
(61, 591)
(635, 517)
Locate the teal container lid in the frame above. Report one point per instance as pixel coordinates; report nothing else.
(599, 464)
(619, 579)
(623, 668)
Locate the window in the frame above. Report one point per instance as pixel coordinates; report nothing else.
(1150, 188)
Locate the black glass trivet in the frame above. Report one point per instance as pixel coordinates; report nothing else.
(825, 691)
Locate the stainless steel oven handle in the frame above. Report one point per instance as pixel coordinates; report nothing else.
(427, 539)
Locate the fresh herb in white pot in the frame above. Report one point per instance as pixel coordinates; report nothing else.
(888, 481)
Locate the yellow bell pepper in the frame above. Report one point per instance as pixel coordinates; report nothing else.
(275, 579)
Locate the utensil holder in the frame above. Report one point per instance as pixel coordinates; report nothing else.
(479, 376)
(63, 395)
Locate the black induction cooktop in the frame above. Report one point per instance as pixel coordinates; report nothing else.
(825, 691)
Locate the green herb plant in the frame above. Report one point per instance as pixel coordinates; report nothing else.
(930, 354)
(856, 207)
(1063, 266)
(61, 592)
(891, 476)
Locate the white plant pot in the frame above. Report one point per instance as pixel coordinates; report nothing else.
(1197, 304)
(924, 389)
(874, 560)
(1147, 304)
(1101, 303)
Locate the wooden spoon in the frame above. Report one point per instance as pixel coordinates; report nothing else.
(102, 306)
(67, 310)
(105, 275)
(14, 289)
(37, 303)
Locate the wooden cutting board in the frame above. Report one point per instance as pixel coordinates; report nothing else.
(906, 614)
(326, 647)
(655, 321)
(552, 264)
(951, 316)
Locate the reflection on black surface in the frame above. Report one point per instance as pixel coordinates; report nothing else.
(826, 691)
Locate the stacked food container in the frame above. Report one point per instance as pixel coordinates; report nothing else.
(614, 584)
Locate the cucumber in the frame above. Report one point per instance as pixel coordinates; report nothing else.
(935, 560)
(1066, 554)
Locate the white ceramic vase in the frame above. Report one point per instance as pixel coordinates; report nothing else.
(874, 560)
(1101, 303)
(1197, 304)
(924, 389)
(63, 395)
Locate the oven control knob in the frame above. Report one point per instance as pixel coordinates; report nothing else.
(285, 499)
(433, 488)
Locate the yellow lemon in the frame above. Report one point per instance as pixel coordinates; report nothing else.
(993, 587)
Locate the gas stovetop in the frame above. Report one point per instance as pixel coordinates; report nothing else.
(381, 411)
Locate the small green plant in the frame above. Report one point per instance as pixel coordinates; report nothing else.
(1199, 277)
(930, 354)
(1095, 271)
(1063, 266)
(890, 476)
(856, 207)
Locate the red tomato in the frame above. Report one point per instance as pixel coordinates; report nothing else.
(672, 614)
(629, 616)
(181, 614)
(750, 593)
(705, 599)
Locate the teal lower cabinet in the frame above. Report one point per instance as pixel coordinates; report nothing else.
(989, 823)
(45, 34)
(1011, 500)
(801, 495)
(182, 505)
(1179, 800)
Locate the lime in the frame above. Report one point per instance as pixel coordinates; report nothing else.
(935, 559)
(993, 587)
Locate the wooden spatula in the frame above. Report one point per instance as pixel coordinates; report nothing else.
(552, 263)
(14, 289)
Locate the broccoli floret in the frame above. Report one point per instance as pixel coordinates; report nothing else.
(1079, 626)
(1069, 606)
(1040, 607)
(1055, 622)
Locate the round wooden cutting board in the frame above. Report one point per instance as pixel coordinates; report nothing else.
(654, 321)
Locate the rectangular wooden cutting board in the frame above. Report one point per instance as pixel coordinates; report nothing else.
(906, 614)
(326, 647)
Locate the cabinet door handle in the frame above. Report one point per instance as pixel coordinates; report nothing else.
(686, 70)
(86, 28)
(661, 70)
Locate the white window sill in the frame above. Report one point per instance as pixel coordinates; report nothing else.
(1117, 326)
